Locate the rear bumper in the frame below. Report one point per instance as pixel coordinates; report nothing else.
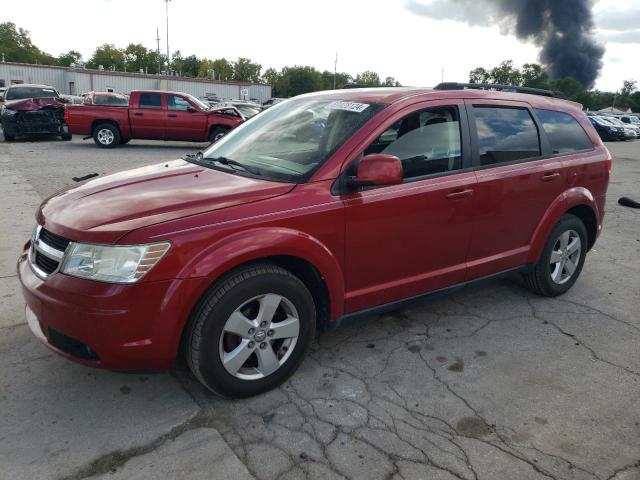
(119, 327)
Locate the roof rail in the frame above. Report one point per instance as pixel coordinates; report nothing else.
(498, 87)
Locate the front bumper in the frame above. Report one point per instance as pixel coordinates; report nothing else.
(119, 327)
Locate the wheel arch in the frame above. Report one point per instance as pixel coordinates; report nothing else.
(577, 201)
(299, 253)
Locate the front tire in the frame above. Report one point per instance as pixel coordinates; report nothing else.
(217, 133)
(561, 260)
(251, 331)
(106, 135)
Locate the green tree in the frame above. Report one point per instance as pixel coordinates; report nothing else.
(66, 59)
(368, 78)
(191, 66)
(108, 56)
(270, 76)
(569, 86)
(479, 75)
(391, 82)
(16, 45)
(136, 57)
(244, 70)
(297, 80)
(177, 62)
(535, 76)
(222, 68)
(506, 74)
(628, 87)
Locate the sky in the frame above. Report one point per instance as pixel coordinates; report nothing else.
(384, 36)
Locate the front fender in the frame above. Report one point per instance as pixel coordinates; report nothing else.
(259, 243)
(567, 200)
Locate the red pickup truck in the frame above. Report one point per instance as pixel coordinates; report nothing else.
(152, 115)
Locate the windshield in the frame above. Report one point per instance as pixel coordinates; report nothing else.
(18, 93)
(292, 139)
(200, 103)
(247, 110)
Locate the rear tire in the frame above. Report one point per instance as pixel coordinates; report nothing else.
(66, 136)
(274, 316)
(561, 260)
(9, 138)
(217, 133)
(106, 135)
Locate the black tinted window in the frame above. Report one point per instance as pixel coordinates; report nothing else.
(427, 142)
(150, 100)
(505, 134)
(564, 132)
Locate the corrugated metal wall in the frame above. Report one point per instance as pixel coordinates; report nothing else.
(81, 81)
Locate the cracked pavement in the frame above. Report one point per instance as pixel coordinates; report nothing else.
(491, 382)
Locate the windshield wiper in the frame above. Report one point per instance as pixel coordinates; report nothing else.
(234, 164)
(192, 156)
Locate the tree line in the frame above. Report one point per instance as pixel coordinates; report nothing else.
(534, 75)
(16, 46)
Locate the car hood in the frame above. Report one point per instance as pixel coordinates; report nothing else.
(104, 209)
(31, 104)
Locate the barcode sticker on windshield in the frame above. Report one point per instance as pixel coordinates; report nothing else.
(348, 106)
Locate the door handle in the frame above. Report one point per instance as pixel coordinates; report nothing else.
(138, 114)
(547, 177)
(460, 194)
(172, 115)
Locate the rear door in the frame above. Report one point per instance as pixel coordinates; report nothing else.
(517, 182)
(147, 116)
(184, 121)
(408, 239)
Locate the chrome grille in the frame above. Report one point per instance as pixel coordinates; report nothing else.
(47, 251)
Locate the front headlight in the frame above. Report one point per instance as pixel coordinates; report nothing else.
(113, 264)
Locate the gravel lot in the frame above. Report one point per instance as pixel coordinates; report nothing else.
(489, 383)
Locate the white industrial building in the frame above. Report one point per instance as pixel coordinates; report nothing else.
(76, 81)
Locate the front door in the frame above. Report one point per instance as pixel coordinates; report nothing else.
(408, 239)
(184, 121)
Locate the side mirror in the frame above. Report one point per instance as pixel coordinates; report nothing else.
(190, 109)
(378, 169)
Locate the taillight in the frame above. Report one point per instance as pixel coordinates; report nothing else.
(609, 162)
(66, 116)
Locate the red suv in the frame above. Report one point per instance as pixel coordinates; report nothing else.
(323, 207)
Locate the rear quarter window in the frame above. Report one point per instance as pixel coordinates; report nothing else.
(150, 100)
(565, 134)
(505, 134)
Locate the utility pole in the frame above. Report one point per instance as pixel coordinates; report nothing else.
(168, 56)
(158, 40)
(442, 74)
(335, 71)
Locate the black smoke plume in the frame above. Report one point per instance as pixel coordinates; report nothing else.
(563, 29)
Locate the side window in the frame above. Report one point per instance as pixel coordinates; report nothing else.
(150, 100)
(564, 132)
(177, 103)
(505, 134)
(427, 142)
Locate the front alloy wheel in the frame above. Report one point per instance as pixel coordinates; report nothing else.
(259, 336)
(250, 331)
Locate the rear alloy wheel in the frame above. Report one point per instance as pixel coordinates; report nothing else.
(561, 260)
(106, 135)
(251, 331)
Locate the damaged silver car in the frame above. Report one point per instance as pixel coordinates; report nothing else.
(33, 109)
